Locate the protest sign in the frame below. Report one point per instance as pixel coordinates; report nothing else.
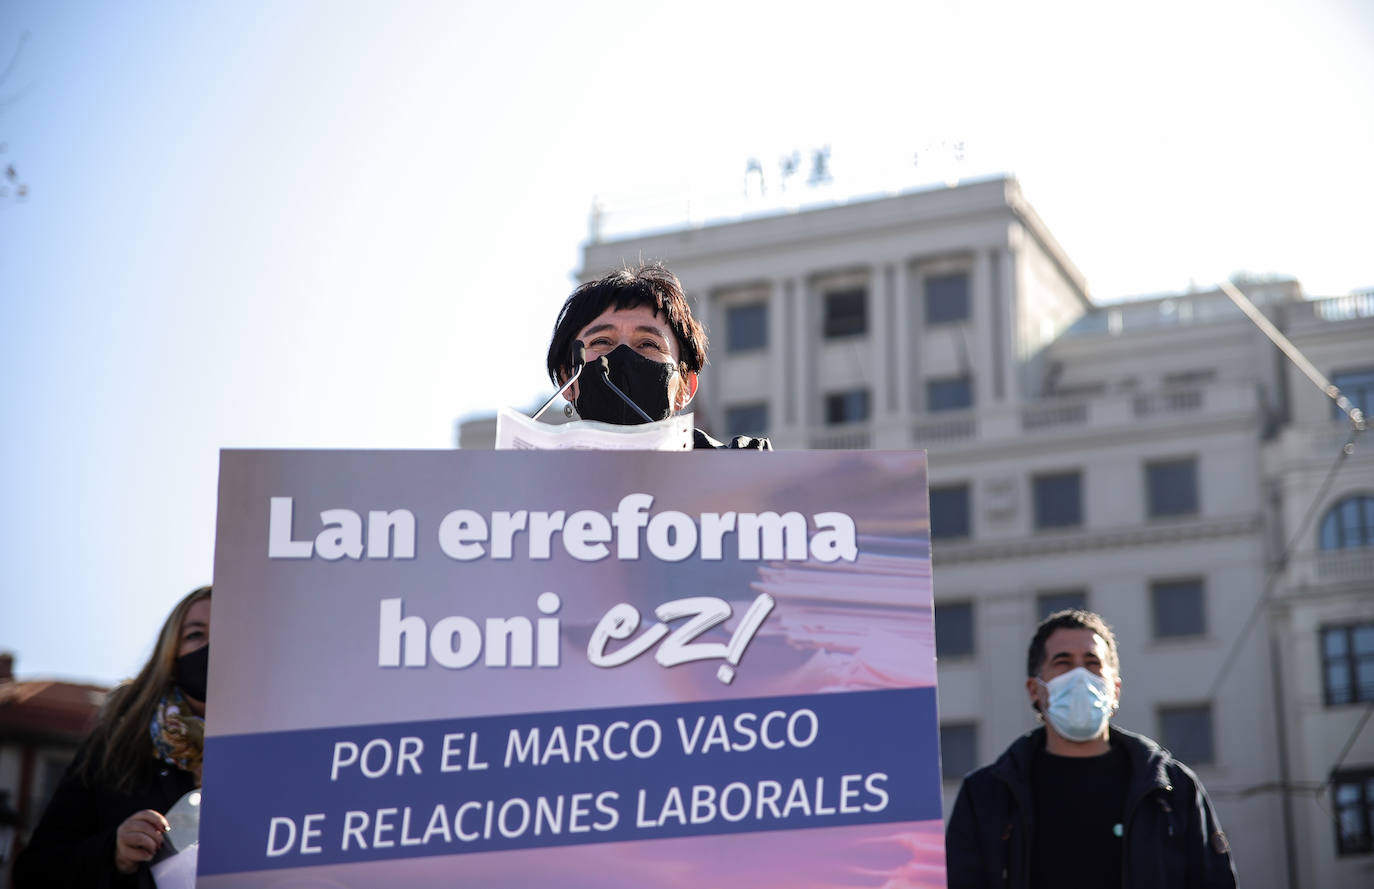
(623, 669)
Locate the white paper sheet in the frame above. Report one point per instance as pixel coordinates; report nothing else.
(515, 431)
(178, 871)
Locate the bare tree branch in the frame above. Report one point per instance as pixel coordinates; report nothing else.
(14, 58)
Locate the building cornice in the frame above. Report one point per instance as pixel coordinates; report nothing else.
(858, 220)
(1031, 222)
(945, 553)
(1174, 430)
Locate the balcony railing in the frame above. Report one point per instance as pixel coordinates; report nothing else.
(1054, 415)
(951, 429)
(1170, 401)
(1338, 566)
(1349, 564)
(843, 439)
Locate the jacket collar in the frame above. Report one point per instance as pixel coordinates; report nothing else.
(1149, 762)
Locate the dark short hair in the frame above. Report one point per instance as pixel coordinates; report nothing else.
(649, 284)
(1071, 619)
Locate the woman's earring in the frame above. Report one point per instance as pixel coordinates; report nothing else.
(568, 410)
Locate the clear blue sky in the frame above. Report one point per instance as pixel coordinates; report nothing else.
(349, 224)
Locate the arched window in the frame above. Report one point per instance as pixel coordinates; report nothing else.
(1356, 385)
(1350, 523)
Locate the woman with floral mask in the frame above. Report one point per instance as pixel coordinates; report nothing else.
(638, 320)
(106, 822)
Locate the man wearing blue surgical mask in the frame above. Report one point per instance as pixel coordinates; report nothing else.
(1080, 802)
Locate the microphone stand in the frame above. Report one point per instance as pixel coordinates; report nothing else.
(579, 360)
(572, 379)
(606, 376)
(579, 350)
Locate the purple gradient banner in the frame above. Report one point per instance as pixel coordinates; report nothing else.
(628, 669)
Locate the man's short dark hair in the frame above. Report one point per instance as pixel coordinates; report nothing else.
(1071, 619)
(649, 284)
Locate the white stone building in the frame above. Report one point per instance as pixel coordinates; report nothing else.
(1143, 460)
(1322, 617)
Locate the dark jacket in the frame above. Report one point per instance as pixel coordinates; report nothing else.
(702, 441)
(74, 843)
(1172, 838)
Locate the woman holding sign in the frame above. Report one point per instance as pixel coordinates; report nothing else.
(106, 822)
(642, 350)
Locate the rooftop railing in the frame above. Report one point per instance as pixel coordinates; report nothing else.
(1337, 308)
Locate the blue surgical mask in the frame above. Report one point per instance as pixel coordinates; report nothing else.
(1081, 702)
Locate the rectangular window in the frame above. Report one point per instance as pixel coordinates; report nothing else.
(1178, 608)
(747, 419)
(946, 298)
(1187, 732)
(949, 394)
(958, 750)
(949, 512)
(846, 407)
(954, 629)
(846, 313)
(1357, 386)
(1352, 798)
(746, 327)
(1171, 487)
(1348, 664)
(1048, 603)
(1058, 500)
(1189, 377)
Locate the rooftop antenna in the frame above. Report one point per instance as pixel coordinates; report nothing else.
(753, 177)
(820, 166)
(594, 218)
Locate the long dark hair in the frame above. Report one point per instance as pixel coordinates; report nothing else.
(120, 746)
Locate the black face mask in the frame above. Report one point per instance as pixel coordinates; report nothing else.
(643, 379)
(189, 670)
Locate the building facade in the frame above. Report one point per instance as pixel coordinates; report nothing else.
(42, 722)
(1320, 479)
(1143, 460)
